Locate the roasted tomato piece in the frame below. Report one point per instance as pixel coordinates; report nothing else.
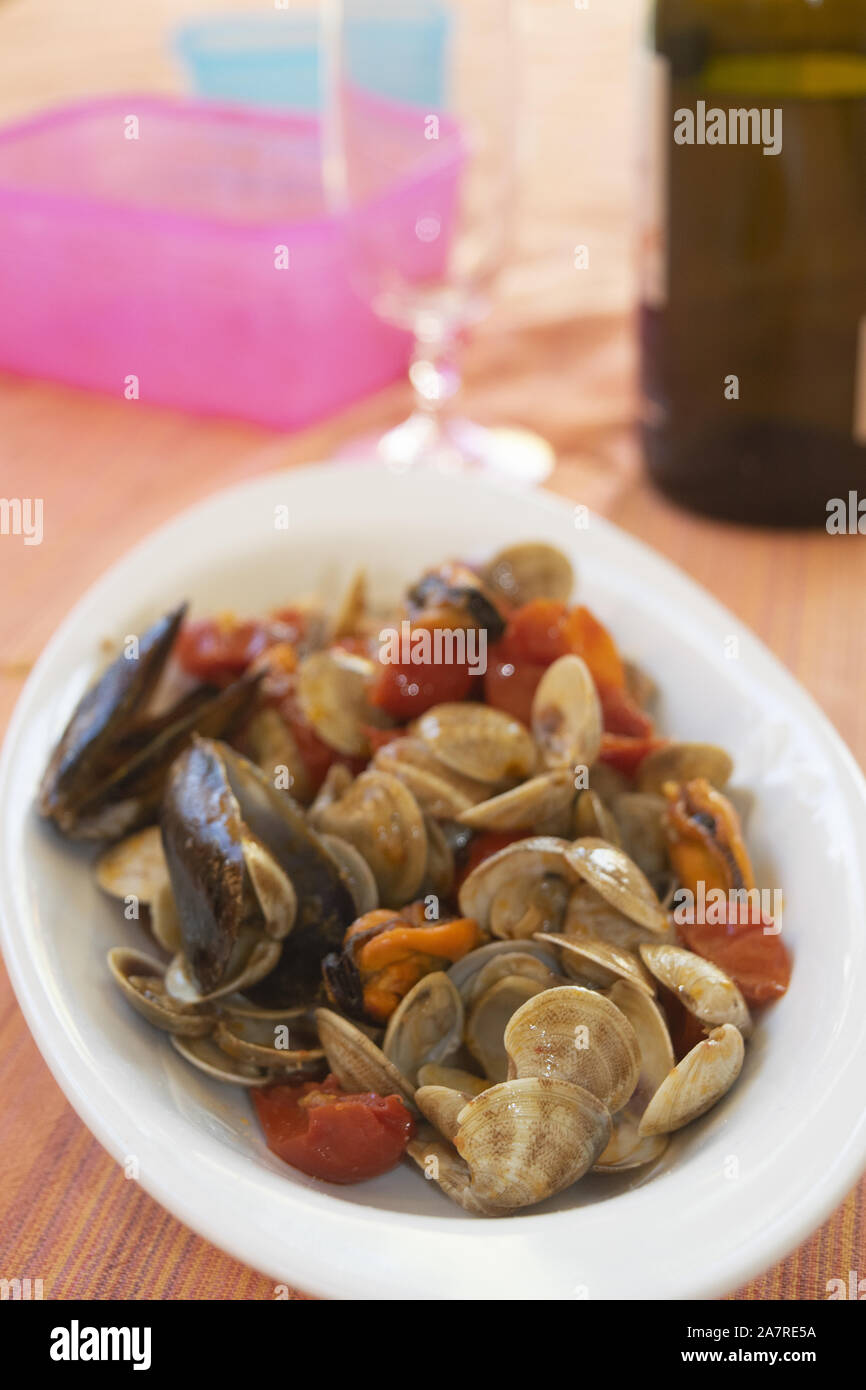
(510, 684)
(756, 960)
(404, 692)
(536, 632)
(218, 650)
(626, 753)
(622, 714)
(328, 1133)
(590, 639)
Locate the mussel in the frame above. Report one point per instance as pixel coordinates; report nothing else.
(107, 773)
(260, 899)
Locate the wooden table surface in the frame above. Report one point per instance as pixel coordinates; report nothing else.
(109, 470)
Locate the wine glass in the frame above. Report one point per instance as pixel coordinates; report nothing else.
(421, 135)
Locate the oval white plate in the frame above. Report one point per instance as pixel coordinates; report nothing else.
(734, 1192)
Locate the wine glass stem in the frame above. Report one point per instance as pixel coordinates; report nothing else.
(435, 376)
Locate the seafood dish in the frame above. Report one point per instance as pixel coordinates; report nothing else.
(430, 883)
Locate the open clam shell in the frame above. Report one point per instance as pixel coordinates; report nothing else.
(478, 741)
(426, 1026)
(617, 879)
(380, 817)
(566, 714)
(598, 964)
(527, 1139)
(356, 872)
(706, 990)
(142, 982)
(488, 1018)
(466, 973)
(540, 806)
(579, 1036)
(277, 1046)
(356, 1061)
(206, 1056)
(529, 570)
(134, 867)
(702, 1077)
(521, 889)
(628, 1148)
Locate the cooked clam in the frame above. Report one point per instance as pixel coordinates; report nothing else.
(576, 1035)
(440, 791)
(478, 741)
(479, 969)
(702, 1077)
(593, 818)
(142, 981)
(521, 1141)
(597, 964)
(488, 1017)
(540, 806)
(704, 988)
(566, 715)
(381, 818)
(530, 570)
(278, 1046)
(332, 693)
(207, 1056)
(628, 1148)
(618, 880)
(356, 1061)
(521, 889)
(683, 762)
(426, 1026)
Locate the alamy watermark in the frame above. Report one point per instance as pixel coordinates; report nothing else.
(441, 646)
(22, 516)
(739, 125)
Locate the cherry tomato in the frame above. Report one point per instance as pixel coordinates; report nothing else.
(536, 632)
(405, 690)
(756, 960)
(219, 651)
(588, 638)
(327, 1133)
(621, 714)
(509, 684)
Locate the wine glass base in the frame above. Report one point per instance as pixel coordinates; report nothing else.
(514, 455)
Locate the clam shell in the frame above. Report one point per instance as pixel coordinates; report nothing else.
(702, 1077)
(618, 880)
(682, 762)
(598, 963)
(704, 988)
(579, 1036)
(142, 982)
(527, 1139)
(627, 1148)
(426, 1026)
(566, 715)
(478, 741)
(358, 1064)
(381, 818)
(135, 867)
(519, 890)
(530, 570)
(487, 1020)
(204, 1054)
(541, 805)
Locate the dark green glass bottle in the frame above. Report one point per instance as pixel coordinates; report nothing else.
(753, 313)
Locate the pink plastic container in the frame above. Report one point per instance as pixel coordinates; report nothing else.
(156, 258)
